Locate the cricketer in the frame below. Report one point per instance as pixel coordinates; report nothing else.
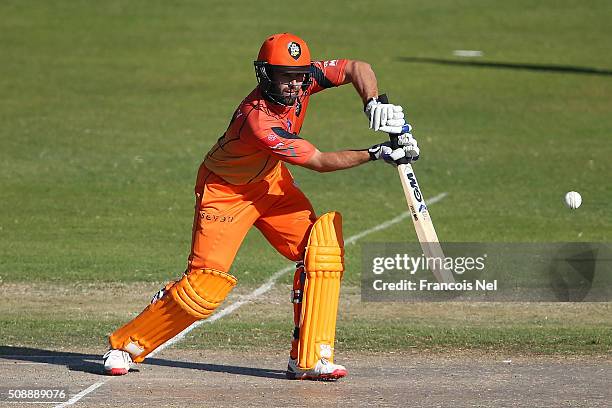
(243, 182)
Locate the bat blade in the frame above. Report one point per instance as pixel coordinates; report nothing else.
(426, 233)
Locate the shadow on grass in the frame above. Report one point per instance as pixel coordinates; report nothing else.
(567, 69)
(92, 363)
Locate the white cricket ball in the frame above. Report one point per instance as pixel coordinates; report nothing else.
(573, 200)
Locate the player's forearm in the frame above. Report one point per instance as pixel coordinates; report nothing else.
(361, 75)
(331, 161)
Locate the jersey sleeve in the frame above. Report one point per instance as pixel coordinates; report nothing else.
(327, 74)
(281, 144)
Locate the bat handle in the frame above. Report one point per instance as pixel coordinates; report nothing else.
(393, 136)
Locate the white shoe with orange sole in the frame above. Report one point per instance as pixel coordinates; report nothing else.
(323, 371)
(117, 362)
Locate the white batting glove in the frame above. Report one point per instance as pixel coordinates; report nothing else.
(409, 145)
(385, 152)
(385, 117)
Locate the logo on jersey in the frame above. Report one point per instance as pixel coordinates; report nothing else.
(288, 125)
(271, 139)
(294, 50)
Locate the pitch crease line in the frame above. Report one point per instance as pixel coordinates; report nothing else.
(249, 298)
(81, 394)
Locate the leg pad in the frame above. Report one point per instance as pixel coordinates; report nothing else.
(324, 262)
(194, 297)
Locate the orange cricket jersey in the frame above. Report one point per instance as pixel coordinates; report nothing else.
(262, 134)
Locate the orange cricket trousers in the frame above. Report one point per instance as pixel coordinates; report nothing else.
(225, 212)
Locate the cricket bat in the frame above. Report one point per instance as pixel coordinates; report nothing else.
(426, 233)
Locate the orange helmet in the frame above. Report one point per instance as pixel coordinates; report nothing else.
(286, 53)
(285, 50)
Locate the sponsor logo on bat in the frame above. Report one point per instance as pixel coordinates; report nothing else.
(415, 187)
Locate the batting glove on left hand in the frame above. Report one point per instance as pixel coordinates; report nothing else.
(408, 147)
(385, 117)
(385, 152)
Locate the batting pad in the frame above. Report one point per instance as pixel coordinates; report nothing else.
(324, 262)
(194, 297)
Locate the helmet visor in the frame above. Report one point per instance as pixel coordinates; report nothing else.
(304, 69)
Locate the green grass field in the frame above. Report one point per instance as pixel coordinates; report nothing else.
(107, 109)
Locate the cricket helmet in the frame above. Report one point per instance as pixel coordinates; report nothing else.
(281, 53)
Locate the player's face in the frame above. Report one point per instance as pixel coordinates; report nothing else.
(289, 85)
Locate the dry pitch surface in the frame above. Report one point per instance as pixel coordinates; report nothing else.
(230, 378)
(183, 378)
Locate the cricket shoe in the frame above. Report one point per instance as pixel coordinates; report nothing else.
(322, 371)
(117, 362)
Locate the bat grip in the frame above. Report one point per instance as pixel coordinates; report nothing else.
(393, 136)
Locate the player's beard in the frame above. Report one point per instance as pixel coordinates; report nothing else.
(288, 97)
